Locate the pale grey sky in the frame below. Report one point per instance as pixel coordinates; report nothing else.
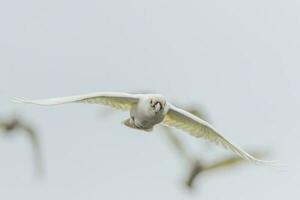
(238, 59)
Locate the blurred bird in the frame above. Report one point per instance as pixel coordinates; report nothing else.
(148, 110)
(199, 168)
(11, 126)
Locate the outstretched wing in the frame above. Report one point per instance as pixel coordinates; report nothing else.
(121, 101)
(197, 127)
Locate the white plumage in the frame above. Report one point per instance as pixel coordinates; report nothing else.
(148, 110)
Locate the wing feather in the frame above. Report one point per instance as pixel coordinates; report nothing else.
(121, 101)
(197, 127)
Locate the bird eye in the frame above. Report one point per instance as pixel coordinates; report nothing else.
(151, 101)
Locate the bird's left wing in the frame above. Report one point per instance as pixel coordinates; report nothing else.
(197, 127)
(121, 101)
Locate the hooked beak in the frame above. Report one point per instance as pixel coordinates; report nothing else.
(157, 106)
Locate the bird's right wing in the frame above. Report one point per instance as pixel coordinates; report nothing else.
(121, 101)
(176, 143)
(227, 162)
(37, 154)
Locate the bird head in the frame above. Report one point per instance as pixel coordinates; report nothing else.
(157, 103)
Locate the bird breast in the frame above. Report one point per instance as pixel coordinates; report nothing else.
(144, 117)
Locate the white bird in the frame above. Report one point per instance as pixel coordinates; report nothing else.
(148, 110)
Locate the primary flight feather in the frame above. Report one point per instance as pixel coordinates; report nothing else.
(148, 110)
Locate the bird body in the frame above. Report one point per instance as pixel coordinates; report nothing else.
(149, 110)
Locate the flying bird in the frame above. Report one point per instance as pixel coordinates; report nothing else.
(149, 110)
(198, 168)
(9, 126)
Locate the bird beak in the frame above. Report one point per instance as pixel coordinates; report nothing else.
(157, 106)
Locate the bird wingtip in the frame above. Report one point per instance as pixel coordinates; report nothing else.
(19, 100)
(274, 164)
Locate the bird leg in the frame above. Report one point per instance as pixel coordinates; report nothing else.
(130, 123)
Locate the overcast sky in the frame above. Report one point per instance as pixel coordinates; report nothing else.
(237, 59)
